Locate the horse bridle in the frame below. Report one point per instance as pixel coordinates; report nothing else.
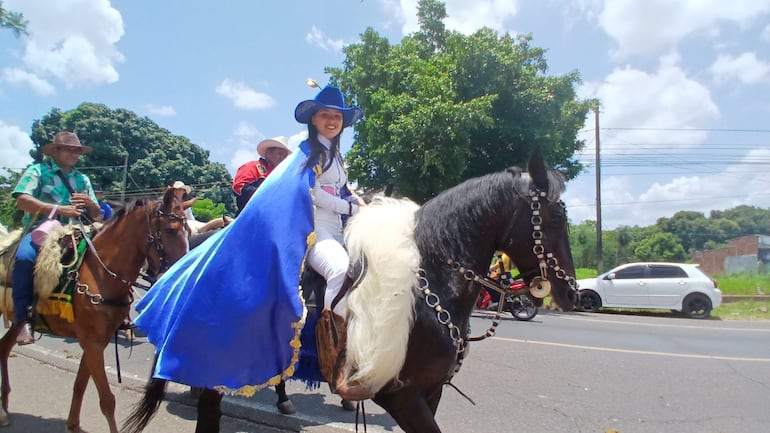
(152, 240)
(539, 283)
(155, 240)
(539, 286)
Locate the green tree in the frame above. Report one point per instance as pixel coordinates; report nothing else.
(205, 210)
(660, 246)
(694, 229)
(582, 239)
(9, 215)
(14, 21)
(442, 107)
(154, 158)
(749, 219)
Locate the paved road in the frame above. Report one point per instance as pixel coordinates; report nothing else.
(567, 373)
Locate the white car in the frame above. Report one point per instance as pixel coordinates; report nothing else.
(675, 286)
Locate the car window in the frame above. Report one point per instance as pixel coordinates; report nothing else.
(666, 271)
(630, 272)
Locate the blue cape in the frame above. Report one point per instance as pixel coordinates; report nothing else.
(228, 314)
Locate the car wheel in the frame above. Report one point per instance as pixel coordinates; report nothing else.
(590, 301)
(697, 306)
(521, 307)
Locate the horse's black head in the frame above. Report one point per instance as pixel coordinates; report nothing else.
(539, 240)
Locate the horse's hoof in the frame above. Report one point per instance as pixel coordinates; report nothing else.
(286, 407)
(348, 405)
(4, 421)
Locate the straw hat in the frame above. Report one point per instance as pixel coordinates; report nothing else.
(64, 138)
(180, 185)
(280, 142)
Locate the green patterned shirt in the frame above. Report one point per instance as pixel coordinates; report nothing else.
(41, 182)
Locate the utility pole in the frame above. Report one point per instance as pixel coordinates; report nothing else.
(125, 171)
(599, 255)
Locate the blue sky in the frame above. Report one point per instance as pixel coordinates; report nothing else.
(684, 85)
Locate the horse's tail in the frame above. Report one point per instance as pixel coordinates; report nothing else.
(381, 308)
(145, 409)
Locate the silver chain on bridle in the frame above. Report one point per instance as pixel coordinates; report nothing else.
(539, 284)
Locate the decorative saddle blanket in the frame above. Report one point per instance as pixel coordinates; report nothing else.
(60, 254)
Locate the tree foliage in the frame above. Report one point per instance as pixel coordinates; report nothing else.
(9, 215)
(205, 210)
(154, 158)
(674, 238)
(14, 21)
(442, 107)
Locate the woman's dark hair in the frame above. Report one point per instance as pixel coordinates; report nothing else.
(317, 149)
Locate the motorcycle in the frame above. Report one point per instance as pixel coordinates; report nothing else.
(514, 293)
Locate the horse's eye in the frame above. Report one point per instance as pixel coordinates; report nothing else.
(170, 231)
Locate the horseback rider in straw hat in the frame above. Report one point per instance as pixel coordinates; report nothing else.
(41, 193)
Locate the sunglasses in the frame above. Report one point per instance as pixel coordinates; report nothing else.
(70, 149)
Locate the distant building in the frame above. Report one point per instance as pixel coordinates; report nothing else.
(744, 254)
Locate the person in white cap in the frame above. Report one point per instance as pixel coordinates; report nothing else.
(250, 176)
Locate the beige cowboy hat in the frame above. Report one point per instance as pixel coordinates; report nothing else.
(180, 185)
(64, 138)
(280, 142)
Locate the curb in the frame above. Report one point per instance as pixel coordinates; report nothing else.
(232, 406)
(738, 298)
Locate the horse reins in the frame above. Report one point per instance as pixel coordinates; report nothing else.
(152, 240)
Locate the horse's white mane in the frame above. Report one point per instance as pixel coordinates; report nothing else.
(381, 308)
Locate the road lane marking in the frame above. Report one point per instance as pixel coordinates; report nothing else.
(638, 352)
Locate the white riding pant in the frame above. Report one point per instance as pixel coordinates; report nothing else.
(330, 259)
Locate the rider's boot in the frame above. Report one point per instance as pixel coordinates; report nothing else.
(26, 334)
(331, 334)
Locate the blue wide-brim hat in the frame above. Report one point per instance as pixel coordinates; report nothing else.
(329, 97)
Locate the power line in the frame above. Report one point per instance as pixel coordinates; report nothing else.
(762, 131)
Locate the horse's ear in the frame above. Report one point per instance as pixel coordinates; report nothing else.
(168, 200)
(538, 172)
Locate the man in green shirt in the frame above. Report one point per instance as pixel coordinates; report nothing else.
(41, 192)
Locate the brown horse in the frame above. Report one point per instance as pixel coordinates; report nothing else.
(151, 230)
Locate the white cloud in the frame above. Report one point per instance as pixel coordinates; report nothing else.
(243, 96)
(16, 144)
(734, 185)
(765, 35)
(240, 157)
(745, 68)
(74, 43)
(665, 99)
(318, 38)
(19, 76)
(657, 26)
(160, 110)
(246, 136)
(463, 16)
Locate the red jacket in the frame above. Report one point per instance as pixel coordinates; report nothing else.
(249, 172)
